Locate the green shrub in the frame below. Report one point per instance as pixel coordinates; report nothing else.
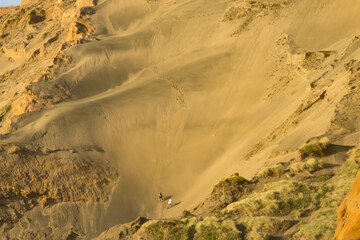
(346, 178)
(314, 148)
(187, 214)
(254, 235)
(234, 179)
(311, 165)
(229, 183)
(218, 214)
(280, 198)
(170, 230)
(276, 170)
(5, 109)
(212, 229)
(13, 20)
(297, 167)
(324, 177)
(322, 226)
(266, 225)
(354, 154)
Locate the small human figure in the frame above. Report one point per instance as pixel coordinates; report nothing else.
(161, 197)
(170, 203)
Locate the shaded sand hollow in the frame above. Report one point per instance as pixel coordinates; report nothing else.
(174, 95)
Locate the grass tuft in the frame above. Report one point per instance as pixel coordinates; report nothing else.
(187, 214)
(170, 230)
(346, 178)
(314, 148)
(267, 225)
(311, 165)
(254, 235)
(5, 109)
(322, 226)
(212, 229)
(234, 179)
(276, 170)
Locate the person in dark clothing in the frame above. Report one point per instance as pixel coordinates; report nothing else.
(160, 197)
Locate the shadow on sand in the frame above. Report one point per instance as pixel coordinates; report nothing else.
(167, 197)
(175, 204)
(335, 148)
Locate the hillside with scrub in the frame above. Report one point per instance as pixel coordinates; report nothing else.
(288, 200)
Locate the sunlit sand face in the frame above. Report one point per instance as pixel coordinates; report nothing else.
(172, 96)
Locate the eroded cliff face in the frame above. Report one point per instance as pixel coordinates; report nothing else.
(25, 3)
(33, 38)
(348, 214)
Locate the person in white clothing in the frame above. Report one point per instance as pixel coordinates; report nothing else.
(170, 203)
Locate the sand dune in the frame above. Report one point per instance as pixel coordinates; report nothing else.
(174, 95)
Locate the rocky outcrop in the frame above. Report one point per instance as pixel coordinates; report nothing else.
(28, 2)
(348, 214)
(33, 177)
(33, 38)
(123, 231)
(225, 192)
(7, 10)
(36, 16)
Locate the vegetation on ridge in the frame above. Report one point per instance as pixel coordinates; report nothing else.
(294, 201)
(311, 165)
(209, 228)
(314, 148)
(5, 109)
(276, 170)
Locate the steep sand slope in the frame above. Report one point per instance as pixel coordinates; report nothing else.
(176, 94)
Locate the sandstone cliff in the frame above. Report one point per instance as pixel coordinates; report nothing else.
(33, 38)
(348, 214)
